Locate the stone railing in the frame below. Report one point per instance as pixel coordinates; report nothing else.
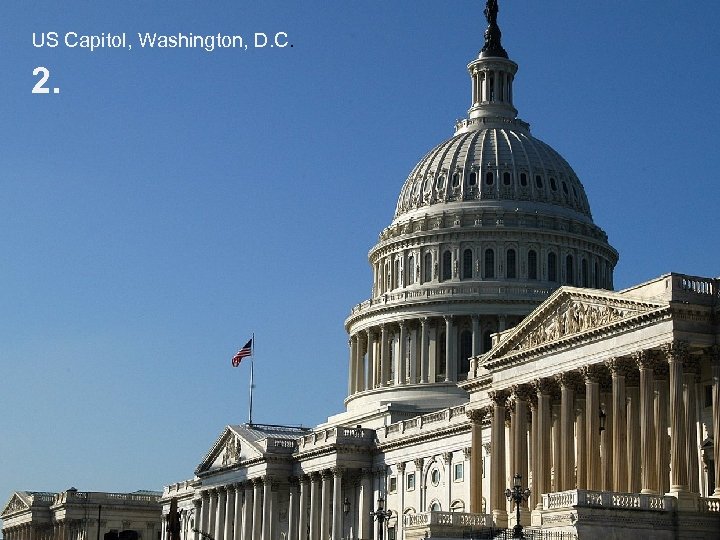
(179, 488)
(428, 292)
(336, 435)
(709, 505)
(433, 420)
(98, 497)
(695, 289)
(607, 499)
(452, 519)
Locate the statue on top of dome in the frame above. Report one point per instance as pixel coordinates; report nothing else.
(492, 46)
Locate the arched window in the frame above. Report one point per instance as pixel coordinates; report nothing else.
(489, 178)
(456, 180)
(411, 270)
(434, 506)
(511, 272)
(532, 264)
(506, 178)
(523, 180)
(465, 353)
(489, 264)
(584, 278)
(457, 506)
(569, 270)
(538, 181)
(596, 280)
(472, 179)
(467, 267)
(553, 184)
(552, 267)
(564, 187)
(446, 265)
(396, 273)
(441, 182)
(428, 267)
(487, 341)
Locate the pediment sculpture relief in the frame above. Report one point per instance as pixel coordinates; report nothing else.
(231, 452)
(571, 318)
(16, 505)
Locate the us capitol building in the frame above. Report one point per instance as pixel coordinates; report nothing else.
(493, 345)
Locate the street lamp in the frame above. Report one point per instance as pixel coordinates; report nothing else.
(380, 515)
(518, 495)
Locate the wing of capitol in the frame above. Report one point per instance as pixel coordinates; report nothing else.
(496, 379)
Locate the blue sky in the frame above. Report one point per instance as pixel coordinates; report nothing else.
(168, 203)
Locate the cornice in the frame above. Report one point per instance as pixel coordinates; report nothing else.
(460, 427)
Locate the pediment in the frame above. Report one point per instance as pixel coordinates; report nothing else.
(571, 313)
(17, 503)
(230, 449)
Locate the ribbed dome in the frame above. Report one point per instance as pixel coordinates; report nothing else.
(491, 161)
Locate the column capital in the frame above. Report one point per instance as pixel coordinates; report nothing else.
(545, 386)
(337, 471)
(476, 416)
(257, 481)
(447, 457)
(569, 379)
(521, 392)
(401, 466)
(447, 318)
(419, 462)
(644, 359)
(498, 397)
(592, 373)
(467, 452)
(619, 366)
(675, 351)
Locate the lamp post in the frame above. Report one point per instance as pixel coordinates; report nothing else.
(380, 515)
(518, 495)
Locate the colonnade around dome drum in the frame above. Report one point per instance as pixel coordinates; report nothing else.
(415, 350)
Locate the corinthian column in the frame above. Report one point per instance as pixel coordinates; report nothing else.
(448, 347)
(647, 425)
(618, 368)
(229, 512)
(476, 417)
(662, 442)
(676, 353)
(352, 371)
(401, 363)
(543, 458)
(257, 508)
(337, 504)
(497, 461)
(592, 426)
(691, 375)
(424, 346)
(567, 383)
(325, 505)
(384, 367)
(248, 507)
(293, 517)
(370, 359)
(268, 509)
(715, 353)
(520, 432)
(303, 526)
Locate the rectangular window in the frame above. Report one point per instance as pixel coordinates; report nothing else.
(708, 395)
(410, 482)
(458, 470)
(391, 533)
(392, 487)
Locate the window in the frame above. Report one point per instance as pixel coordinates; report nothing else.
(441, 182)
(397, 273)
(506, 178)
(523, 179)
(434, 506)
(532, 264)
(435, 477)
(511, 272)
(456, 180)
(553, 184)
(584, 277)
(458, 470)
(489, 264)
(552, 267)
(446, 265)
(569, 270)
(392, 484)
(440, 367)
(410, 482)
(457, 506)
(465, 353)
(489, 178)
(428, 267)
(472, 179)
(538, 181)
(564, 187)
(596, 277)
(467, 264)
(411, 270)
(391, 533)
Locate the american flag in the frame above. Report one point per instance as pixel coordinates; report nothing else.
(242, 353)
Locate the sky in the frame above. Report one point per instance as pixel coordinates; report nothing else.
(166, 204)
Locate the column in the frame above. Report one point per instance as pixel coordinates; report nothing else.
(204, 513)
(634, 481)
(581, 443)
(314, 507)
(567, 431)
(662, 444)
(497, 461)
(541, 475)
(257, 508)
(533, 471)
(520, 430)
(691, 375)
(366, 505)
(229, 512)
(448, 346)
(419, 462)
(360, 362)
(238, 521)
(248, 507)
(352, 372)
(424, 345)
(220, 519)
(197, 506)
(556, 454)
(212, 512)
(326, 501)
(607, 458)
(302, 519)
(647, 425)
(447, 458)
(384, 367)
(475, 335)
(618, 368)
(676, 354)
(370, 360)
(267, 508)
(337, 504)
(715, 354)
(293, 509)
(476, 417)
(592, 426)
(401, 496)
(401, 362)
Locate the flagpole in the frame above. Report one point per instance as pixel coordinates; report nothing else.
(252, 365)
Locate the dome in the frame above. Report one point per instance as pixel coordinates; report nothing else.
(490, 164)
